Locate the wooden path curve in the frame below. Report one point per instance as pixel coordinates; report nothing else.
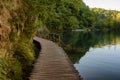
(53, 63)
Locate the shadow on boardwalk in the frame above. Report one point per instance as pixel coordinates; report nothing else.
(53, 63)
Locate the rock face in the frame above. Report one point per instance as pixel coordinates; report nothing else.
(15, 47)
(6, 27)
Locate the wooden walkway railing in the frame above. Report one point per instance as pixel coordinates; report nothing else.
(50, 36)
(54, 37)
(53, 63)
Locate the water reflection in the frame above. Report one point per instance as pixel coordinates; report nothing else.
(96, 55)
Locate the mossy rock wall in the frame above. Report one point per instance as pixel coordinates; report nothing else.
(17, 28)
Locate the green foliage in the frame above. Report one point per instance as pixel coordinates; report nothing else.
(105, 19)
(69, 14)
(3, 71)
(65, 15)
(118, 17)
(15, 72)
(25, 56)
(73, 22)
(8, 71)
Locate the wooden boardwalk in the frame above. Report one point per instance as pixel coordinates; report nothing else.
(53, 63)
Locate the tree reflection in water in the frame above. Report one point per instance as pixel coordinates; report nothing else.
(76, 44)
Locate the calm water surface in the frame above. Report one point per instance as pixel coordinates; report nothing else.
(96, 55)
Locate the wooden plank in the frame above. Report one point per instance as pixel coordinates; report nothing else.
(53, 63)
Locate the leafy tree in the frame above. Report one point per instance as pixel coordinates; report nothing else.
(118, 17)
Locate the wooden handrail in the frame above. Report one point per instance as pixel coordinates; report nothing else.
(54, 37)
